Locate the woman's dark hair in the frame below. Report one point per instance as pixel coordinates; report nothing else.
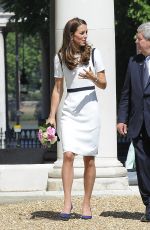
(68, 49)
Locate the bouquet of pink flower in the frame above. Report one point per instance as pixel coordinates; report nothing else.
(47, 135)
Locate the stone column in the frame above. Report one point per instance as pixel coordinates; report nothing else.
(4, 17)
(2, 86)
(99, 16)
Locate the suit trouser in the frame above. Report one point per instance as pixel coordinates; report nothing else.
(142, 159)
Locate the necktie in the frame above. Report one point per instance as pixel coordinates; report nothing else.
(146, 73)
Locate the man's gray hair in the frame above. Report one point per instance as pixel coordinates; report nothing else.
(145, 30)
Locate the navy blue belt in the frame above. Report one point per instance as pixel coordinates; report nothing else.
(80, 89)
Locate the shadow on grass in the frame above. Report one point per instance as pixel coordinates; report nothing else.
(51, 215)
(123, 215)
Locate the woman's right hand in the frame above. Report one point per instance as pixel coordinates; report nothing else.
(52, 121)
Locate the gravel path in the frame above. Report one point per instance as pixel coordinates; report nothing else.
(109, 213)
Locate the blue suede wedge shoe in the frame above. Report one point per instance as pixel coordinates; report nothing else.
(65, 216)
(86, 217)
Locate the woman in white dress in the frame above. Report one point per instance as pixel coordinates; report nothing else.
(82, 69)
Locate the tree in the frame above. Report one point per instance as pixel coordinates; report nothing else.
(139, 10)
(32, 17)
(129, 14)
(29, 46)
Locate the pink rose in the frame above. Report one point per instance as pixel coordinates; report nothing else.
(40, 135)
(50, 133)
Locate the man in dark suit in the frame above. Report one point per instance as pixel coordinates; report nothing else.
(134, 112)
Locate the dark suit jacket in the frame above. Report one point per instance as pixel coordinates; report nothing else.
(134, 107)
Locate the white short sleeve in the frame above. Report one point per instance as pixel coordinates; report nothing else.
(58, 73)
(98, 62)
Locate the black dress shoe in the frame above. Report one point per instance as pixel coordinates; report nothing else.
(145, 218)
(147, 210)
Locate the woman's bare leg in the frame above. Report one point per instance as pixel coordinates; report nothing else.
(89, 179)
(67, 179)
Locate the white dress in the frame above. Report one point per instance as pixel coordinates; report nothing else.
(80, 120)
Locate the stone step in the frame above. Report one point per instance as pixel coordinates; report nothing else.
(24, 177)
(55, 184)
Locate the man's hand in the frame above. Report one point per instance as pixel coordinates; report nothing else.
(122, 128)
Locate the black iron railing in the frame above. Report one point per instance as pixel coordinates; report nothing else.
(26, 138)
(24, 148)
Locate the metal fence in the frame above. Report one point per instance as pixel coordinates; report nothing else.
(24, 148)
(26, 138)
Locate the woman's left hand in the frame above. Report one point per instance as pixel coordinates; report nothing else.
(99, 80)
(87, 75)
